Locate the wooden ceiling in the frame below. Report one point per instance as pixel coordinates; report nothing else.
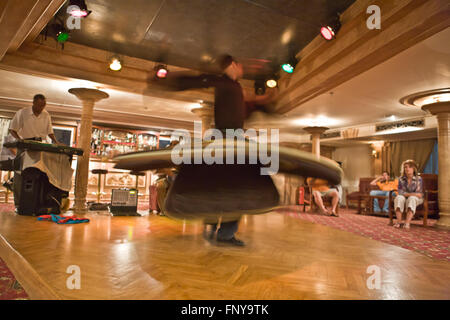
(191, 34)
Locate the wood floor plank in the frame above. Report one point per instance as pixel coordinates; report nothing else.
(155, 257)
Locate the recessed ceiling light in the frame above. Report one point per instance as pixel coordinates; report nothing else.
(390, 117)
(316, 121)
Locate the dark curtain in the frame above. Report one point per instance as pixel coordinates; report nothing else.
(432, 164)
(418, 150)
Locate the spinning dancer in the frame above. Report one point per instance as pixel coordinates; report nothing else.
(230, 112)
(225, 192)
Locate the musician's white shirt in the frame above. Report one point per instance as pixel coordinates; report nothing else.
(27, 125)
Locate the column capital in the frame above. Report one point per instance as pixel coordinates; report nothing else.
(206, 114)
(85, 94)
(316, 130)
(438, 107)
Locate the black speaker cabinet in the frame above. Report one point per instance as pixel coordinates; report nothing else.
(34, 195)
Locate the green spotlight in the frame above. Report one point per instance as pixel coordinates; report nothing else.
(62, 36)
(287, 67)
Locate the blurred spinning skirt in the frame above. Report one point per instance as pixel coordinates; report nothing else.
(212, 183)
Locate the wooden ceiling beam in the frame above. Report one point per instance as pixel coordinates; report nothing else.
(39, 17)
(9, 107)
(24, 19)
(14, 15)
(326, 64)
(81, 62)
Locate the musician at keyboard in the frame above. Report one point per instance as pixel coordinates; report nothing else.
(33, 123)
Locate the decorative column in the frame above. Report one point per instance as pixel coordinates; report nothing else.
(442, 112)
(88, 98)
(315, 134)
(206, 114)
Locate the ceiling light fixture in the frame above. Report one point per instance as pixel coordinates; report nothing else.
(316, 121)
(61, 34)
(330, 30)
(289, 67)
(78, 9)
(271, 83)
(291, 60)
(115, 64)
(161, 71)
(390, 117)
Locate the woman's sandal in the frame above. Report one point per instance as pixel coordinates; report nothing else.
(334, 214)
(406, 226)
(397, 225)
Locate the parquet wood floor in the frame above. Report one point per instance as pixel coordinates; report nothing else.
(158, 258)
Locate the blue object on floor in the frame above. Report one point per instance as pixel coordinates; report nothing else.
(62, 220)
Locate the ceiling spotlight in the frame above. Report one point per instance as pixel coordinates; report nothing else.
(61, 34)
(115, 64)
(78, 9)
(287, 67)
(271, 83)
(330, 30)
(290, 65)
(161, 71)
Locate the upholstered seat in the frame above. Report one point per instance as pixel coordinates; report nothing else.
(430, 197)
(364, 190)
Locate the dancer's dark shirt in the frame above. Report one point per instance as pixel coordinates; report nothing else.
(229, 105)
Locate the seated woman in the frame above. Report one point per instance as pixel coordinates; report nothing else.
(410, 191)
(386, 185)
(320, 188)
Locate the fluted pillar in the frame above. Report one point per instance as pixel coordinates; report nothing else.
(88, 98)
(206, 114)
(315, 135)
(442, 112)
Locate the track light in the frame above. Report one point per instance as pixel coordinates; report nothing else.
(115, 64)
(161, 71)
(287, 67)
(78, 9)
(330, 30)
(61, 34)
(290, 65)
(271, 83)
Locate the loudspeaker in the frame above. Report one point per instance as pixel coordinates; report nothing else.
(34, 195)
